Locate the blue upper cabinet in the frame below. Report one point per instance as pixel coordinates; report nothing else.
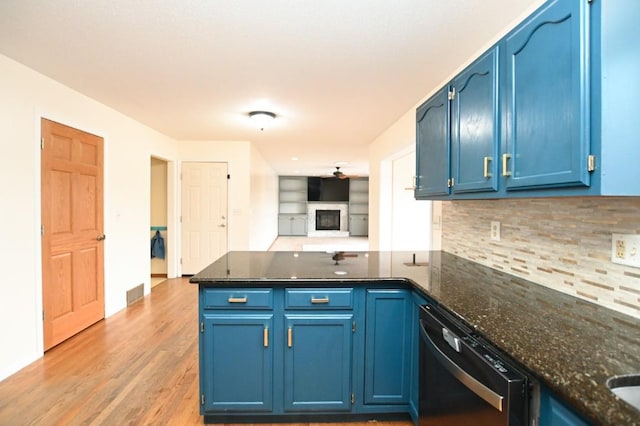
(432, 146)
(565, 121)
(547, 99)
(475, 121)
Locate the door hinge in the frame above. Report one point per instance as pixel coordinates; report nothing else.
(353, 398)
(452, 93)
(202, 327)
(43, 315)
(591, 163)
(41, 143)
(41, 230)
(228, 176)
(202, 399)
(181, 261)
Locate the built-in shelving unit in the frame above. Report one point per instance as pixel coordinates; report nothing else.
(292, 213)
(359, 207)
(292, 217)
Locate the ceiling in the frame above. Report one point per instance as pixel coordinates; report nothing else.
(336, 72)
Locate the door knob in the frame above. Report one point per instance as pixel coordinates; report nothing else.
(101, 237)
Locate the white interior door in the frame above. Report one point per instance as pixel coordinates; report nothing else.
(204, 214)
(411, 218)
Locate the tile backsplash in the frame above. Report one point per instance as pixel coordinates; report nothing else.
(562, 243)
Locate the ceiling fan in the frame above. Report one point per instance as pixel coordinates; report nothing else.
(339, 175)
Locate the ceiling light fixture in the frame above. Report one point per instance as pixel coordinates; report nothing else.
(262, 118)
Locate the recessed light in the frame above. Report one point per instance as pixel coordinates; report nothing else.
(294, 158)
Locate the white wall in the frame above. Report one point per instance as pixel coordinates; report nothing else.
(26, 97)
(397, 139)
(264, 203)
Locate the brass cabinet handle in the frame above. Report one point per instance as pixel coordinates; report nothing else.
(265, 337)
(487, 173)
(320, 300)
(238, 299)
(505, 160)
(290, 337)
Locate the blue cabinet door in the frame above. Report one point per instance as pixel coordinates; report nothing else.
(414, 373)
(547, 98)
(387, 346)
(317, 362)
(432, 146)
(236, 363)
(554, 413)
(475, 121)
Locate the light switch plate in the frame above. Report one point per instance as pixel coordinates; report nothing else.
(625, 249)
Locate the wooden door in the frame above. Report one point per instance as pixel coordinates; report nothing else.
(72, 231)
(204, 214)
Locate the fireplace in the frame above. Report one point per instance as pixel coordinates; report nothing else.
(327, 220)
(320, 227)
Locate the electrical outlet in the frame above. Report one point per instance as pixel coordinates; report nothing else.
(620, 248)
(625, 249)
(495, 230)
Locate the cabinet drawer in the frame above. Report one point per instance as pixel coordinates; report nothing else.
(238, 299)
(319, 298)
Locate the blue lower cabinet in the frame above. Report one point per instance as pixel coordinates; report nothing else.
(236, 363)
(318, 362)
(297, 353)
(554, 412)
(414, 374)
(387, 346)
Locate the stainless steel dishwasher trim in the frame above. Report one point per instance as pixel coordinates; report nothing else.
(492, 398)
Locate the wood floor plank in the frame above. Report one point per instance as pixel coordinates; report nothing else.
(137, 367)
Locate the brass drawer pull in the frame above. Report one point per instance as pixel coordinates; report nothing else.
(487, 173)
(320, 300)
(238, 299)
(265, 337)
(505, 160)
(290, 337)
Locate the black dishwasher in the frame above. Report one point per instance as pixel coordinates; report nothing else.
(464, 381)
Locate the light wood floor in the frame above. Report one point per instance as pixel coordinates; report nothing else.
(138, 367)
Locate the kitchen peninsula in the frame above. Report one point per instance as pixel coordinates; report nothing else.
(320, 352)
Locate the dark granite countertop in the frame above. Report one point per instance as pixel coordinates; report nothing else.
(571, 345)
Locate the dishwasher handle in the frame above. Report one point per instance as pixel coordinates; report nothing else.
(492, 398)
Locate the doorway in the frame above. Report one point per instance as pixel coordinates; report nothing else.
(72, 231)
(160, 234)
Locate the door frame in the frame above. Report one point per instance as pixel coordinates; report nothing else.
(37, 165)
